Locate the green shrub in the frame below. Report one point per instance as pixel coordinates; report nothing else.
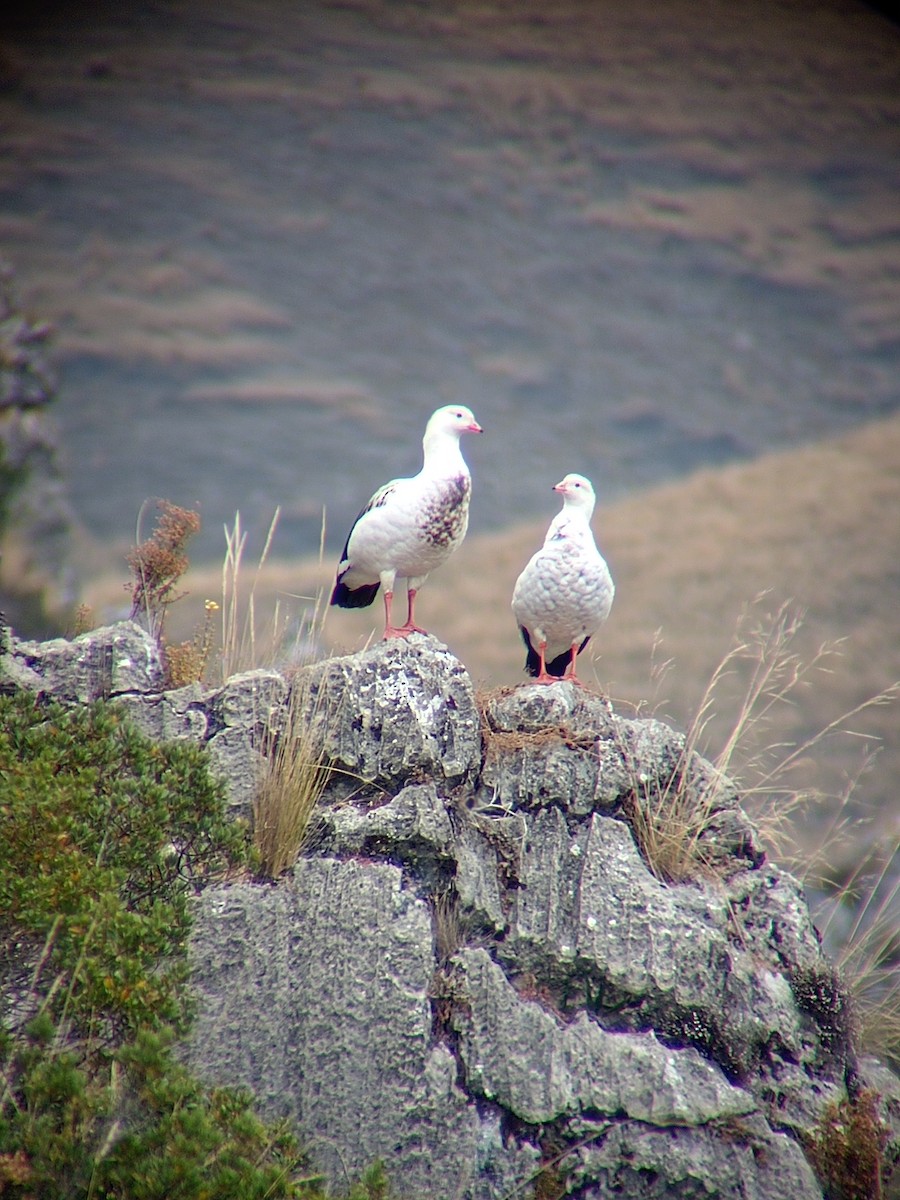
(105, 836)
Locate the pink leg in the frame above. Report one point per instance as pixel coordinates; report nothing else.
(389, 629)
(570, 669)
(411, 626)
(542, 676)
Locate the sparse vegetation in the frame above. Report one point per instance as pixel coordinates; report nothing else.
(447, 925)
(157, 565)
(671, 823)
(187, 662)
(243, 646)
(869, 953)
(247, 642)
(83, 620)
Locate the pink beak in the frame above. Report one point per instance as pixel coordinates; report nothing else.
(474, 428)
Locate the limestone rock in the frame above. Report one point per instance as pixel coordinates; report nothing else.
(633, 1162)
(401, 711)
(108, 662)
(414, 823)
(541, 1068)
(317, 995)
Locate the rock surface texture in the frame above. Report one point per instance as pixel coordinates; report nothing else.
(471, 973)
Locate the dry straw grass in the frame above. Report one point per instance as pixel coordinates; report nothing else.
(868, 953)
(290, 790)
(296, 770)
(770, 675)
(249, 640)
(669, 823)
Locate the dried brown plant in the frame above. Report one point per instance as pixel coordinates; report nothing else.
(186, 662)
(847, 1150)
(158, 563)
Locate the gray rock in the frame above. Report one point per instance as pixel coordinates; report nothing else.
(170, 716)
(414, 824)
(488, 856)
(542, 1069)
(402, 711)
(234, 722)
(106, 663)
(317, 995)
(736, 1159)
(534, 708)
(549, 746)
(242, 717)
(589, 913)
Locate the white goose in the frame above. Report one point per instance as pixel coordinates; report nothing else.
(410, 526)
(565, 592)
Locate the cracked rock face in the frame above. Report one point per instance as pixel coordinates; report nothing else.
(471, 973)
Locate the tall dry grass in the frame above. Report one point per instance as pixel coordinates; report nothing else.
(269, 632)
(296, 768)
(290, 789)
(669, 823)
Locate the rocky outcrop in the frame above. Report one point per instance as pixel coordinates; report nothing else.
(472, 973)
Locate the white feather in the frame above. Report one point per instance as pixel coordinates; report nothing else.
(565, 592)
(411, 526)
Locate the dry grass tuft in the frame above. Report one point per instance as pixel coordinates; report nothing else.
(868, 955)
(290, 790)
(669, 823)
(247, 641)
(763, 672)
(448, 925)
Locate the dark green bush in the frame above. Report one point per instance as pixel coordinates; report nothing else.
(104, 837)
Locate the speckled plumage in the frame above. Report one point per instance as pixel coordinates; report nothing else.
(410, 526)
(565, 592)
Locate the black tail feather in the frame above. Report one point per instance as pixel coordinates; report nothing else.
(532, 658)
(556, 666)
(360, 597)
